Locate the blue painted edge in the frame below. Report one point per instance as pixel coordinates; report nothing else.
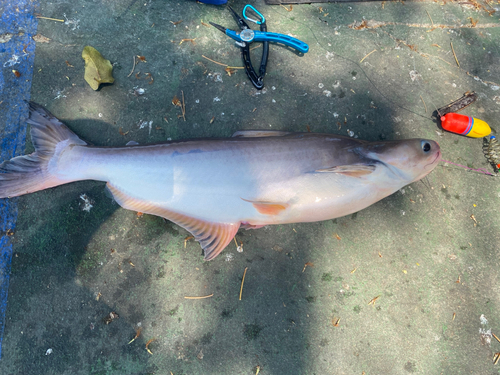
(17, 17)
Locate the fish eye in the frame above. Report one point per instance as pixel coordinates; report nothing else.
(426, 146)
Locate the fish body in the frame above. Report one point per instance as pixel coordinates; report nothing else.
(212, 187)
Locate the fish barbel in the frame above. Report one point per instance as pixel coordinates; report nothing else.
(212, 187)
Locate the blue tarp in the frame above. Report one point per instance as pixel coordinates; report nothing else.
(18, 25)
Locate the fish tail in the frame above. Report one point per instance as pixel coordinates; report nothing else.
(30, 173)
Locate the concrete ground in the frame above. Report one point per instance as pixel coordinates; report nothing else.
(430, 252)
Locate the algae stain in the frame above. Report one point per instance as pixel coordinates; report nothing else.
(251, 331)
(326, 277)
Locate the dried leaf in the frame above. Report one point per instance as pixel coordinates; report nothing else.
(97, 69)
(176, 101)
(141, 59)
(110, 317)
(230, 71)
(121, 132)
(39, 38)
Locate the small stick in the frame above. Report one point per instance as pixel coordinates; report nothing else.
(133, 67)
(243, 281)
(202, 297)
(372, 302)
(454, 54)
(218, 63)
(495, 336)
(183, 106)
(496, 358)
(366, 56)
(430, 19)
(50, 19)
(213, 61)
(424, 103)
(147, 346)
(137, 334)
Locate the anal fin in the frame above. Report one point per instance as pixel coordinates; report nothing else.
(268, 208)
(213, 237)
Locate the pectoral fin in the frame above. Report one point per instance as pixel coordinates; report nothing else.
(213, 237)
(354, 170)
(268, 208)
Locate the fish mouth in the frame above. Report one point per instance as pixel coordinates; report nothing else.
(436, 159)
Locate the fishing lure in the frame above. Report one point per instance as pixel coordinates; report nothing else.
(491, 149)
(465, 125)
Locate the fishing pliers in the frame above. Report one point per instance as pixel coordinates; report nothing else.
(247, 36)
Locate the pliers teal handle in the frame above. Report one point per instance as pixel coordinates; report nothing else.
(249, 36)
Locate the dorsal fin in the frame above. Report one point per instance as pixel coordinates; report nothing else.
(259, 133)
(353, 170)
(213, 237)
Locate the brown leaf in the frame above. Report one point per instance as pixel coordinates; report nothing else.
(39, 38)
(176, 101)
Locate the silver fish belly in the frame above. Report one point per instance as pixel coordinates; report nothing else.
(212, 187)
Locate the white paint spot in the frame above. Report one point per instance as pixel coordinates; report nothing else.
(218, 77)
(495, 87)
(335, 114)
(327, 93)
(143, 124)
(49, 351)
(483, 320)
(415, 76)
(274, 101)
(197, 101)
(320, 85)
(15, 59)
(229, 257)
(59, 95)
(336, 84)
(86, 203)
(216, 99)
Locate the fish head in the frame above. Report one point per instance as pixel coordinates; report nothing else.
(410, 159)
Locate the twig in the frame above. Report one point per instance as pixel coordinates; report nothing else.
(430, 19)
(218, 63)
(495, 336)
(243, 281)
(147, 346)
(133, 67)
(373, 24)
(202, 297)
(453, 50)
(50, 19)
(424, 103)
(183, 108)
(360, 61)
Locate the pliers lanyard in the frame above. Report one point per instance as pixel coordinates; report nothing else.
(247, 36)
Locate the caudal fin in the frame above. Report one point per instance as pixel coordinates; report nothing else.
(30, 173)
